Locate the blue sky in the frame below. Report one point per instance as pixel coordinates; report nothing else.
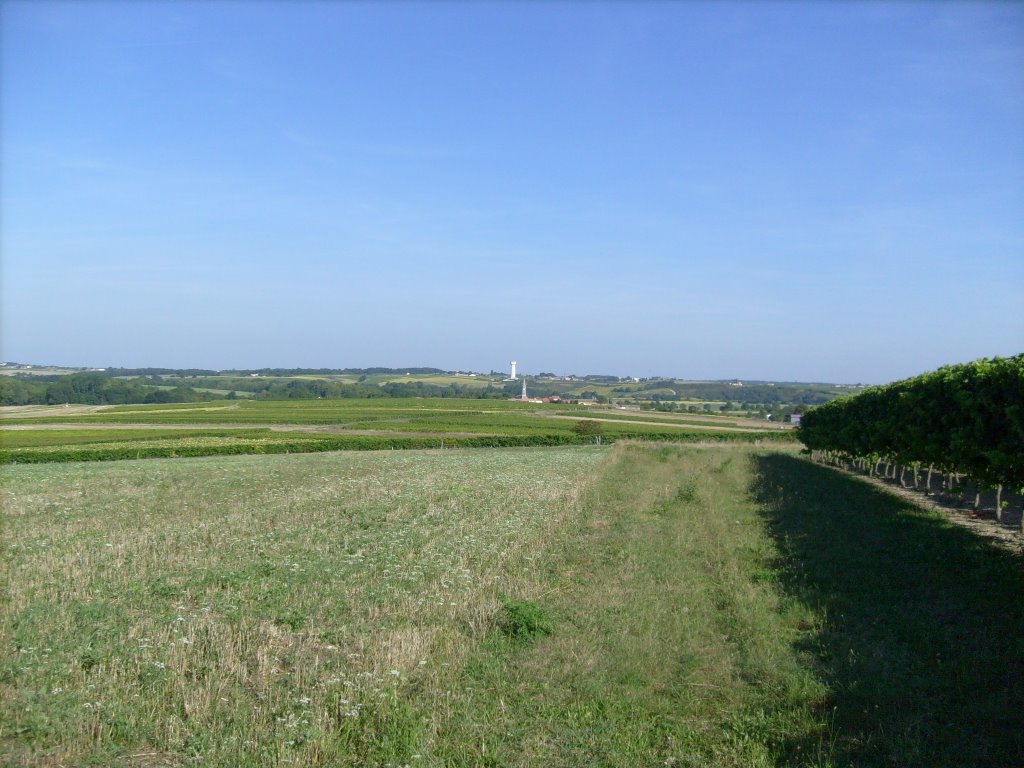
(789, 191)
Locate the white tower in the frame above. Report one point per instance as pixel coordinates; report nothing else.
(524, 389)
(513, 376)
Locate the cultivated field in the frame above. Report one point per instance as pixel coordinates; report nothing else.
(275, 426)
(632, 605)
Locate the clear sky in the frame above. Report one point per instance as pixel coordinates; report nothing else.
(789, 191)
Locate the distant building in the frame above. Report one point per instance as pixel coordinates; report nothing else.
(794, 418)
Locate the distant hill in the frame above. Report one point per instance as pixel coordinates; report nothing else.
(27, 384)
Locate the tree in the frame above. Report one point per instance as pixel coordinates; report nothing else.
(587, 428)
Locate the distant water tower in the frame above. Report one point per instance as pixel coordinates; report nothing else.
(512, 377)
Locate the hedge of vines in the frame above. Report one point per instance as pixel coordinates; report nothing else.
(171, 448)
(962, 420)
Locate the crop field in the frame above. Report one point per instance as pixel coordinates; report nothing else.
(294, 411)
(626, 605)
(38, 371)
(275, 426)
(440, 380)
(684, 420)
(35, 438)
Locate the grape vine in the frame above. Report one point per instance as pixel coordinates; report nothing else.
(964, 421)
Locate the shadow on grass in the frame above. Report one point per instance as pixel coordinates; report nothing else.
(921, 640)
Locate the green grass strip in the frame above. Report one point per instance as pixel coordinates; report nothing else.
(662, 638)
(722, 608)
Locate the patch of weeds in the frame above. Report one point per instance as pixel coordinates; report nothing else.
(524, 620)
(391, 732)
(664, 453)
(292, 619)
(88, 658)
(687, 492)
(160, 587)
(451, 495)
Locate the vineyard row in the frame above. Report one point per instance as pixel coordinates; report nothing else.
(965, 422)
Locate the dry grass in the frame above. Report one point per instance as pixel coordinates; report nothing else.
(29, 411)
(260, 610)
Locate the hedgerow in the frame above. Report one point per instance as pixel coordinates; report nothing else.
(960, 420)
(221, 446)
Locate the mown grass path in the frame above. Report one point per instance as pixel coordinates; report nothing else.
(726, 607)
(671, 645)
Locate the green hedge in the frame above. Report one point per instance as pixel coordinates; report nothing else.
(107, 452)
(965, 419)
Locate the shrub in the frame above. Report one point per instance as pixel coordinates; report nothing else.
(587, 428)
(523, 620)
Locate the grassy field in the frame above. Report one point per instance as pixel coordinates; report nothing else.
(37, 438)
(633, 605)
(261, 610)
(39, 371)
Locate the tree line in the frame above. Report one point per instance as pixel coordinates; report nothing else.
(270, 371)
(91, 389)
(101, 388)
(748, 395)
(309, 389)
(964, 421)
